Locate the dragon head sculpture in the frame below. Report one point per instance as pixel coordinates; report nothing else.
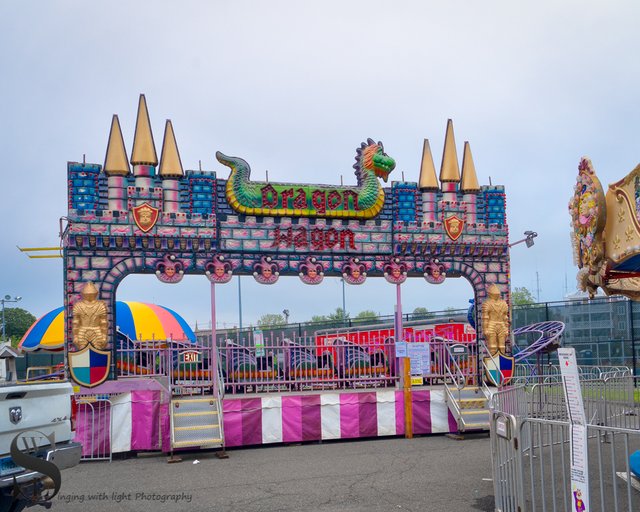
(371, 157)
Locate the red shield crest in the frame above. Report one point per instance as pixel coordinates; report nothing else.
(145, 216)
(453, 226)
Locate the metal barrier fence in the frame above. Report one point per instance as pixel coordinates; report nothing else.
(531, 451)
(94, 427)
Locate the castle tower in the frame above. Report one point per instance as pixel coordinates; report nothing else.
(143, 155)
(428, 184)
(469, 185)
(449, 169)
(170, 170)
(116, 167)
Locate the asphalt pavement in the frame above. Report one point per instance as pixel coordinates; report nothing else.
(430, 473)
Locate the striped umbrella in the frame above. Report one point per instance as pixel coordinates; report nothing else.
(139, 321)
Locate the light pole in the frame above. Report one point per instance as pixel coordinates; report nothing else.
(239, 304)
(344, 304)
(7, 298)
(529, 236)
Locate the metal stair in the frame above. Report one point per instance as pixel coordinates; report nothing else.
(470, 407)
(196, 422)
(468, 403)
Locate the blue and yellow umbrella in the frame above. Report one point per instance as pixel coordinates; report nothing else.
(137, 320)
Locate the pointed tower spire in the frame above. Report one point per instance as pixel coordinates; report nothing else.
(144, 149)
(170, 163)
(449, 170)
(469, 177)
(116, 162)
(428, 179)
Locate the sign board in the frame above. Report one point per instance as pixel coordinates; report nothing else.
(458, 349)
(190, 356)
(578, 422)
(258, 342)
(401, 349)
(502, 427)
(420, 356)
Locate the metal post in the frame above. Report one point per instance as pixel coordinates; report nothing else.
(3, 324)
(213, 361)
(344, 302)
(633, 338)
(239, 305)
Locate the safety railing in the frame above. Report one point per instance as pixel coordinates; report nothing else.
(299, 363)
(94, 427)
(531, 453)
(272, 364)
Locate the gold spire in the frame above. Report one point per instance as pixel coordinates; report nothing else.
(170, 164)
(115, 161)
(428, 179)
(469, 177)
(144, 149)
(449, 170)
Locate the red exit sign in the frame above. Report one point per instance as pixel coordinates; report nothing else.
(190, 356)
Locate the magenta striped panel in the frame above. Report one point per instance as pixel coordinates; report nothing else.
(421, 412)
(368, 414)
(145, 405)
(291, 419)
(349, 415)
(232, 414)
(251, 421)
(400, 413)
(311, 420)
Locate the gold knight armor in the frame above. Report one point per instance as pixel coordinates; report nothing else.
(495, 321)
(90, 320)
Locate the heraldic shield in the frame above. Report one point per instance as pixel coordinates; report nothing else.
(454, 225)
(145, 216)
(499, 369)
(89, 366)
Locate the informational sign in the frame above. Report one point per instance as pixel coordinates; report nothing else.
(258, 342)
(401, 349)
(420, 357)
(578, 421)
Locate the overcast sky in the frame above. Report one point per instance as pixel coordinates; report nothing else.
(294, 87)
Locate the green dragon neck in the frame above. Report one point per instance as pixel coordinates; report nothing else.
(365, 200)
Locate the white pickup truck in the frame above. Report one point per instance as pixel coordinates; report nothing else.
(36, 432)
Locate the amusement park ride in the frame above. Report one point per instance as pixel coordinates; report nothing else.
(152, 217)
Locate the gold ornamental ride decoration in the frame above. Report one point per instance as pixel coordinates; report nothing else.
(90, 320)
(606, 233)
(495, 321)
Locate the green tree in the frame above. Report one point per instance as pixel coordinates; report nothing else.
(421, 313)
(367, 314)
(17, 321)
(319, 318)
(271, 320)
(521, 296)
(338, 315)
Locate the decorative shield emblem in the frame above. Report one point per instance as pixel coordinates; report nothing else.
(89, 367)
(145, 216)
(499, 369)
(453, 226)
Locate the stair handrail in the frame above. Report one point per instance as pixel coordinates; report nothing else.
(459, 380)
(219, 374)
